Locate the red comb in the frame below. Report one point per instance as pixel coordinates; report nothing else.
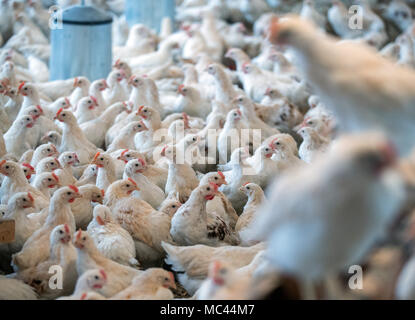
(140, 108)
(103, 193)
(2, 162)
(55, 177)
(246, 184)
(272, 143)
(94, 99)
(96, 156)
(214, 186)
(124, 152)
(30, 197)
(102, 272)
(66, 228)
(132, 181)
(59, 112)
(164, 149)
(39, 108)
(21, 86)
(221, 174)
(28, 166)
(83, 297)
(74, 188)
(180, 88)
(143, 163)
(78, 234)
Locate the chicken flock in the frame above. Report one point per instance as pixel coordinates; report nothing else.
(252, 149)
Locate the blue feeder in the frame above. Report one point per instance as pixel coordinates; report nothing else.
(149, 12)
(81, 45)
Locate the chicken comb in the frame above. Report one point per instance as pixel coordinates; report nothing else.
(171, 276)
(124, 152)
(163, 151)
(55, 177)
(57, 162)
(140, 108)
(2, 162)
(94, 100)
(83, 297)
(132, 181)
(143, 124)
(39, 108)
(180, 88)
(143, 163)
(214, 186)
(103, 273)
(221, 174)
(28, 166)
(246, 183)
(66, 227)
(75, 189)
(21, 86)
(96, 156)
(271, 144)
(59, 112)
(103, 193)
(216, 265)
(29, 195)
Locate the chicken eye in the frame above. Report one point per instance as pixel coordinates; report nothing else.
(173, 206)
(96, 278)
(48, 150)
(60, 231)
(404, 15)
(63, 103)
(49, 179)
(145, 110)
(24, 199)
(310, 123)
(70, 157)
(278, 143)
(248, 188)
(89, 101)
(84, 238)
(7, 167)
(102, 159)
(208, 188)
(216, 178)
(127, 185)
(136, 164)
(25, 88)
(68, 193)
(63, 115)
(27, 119)
(283, 117)
(52, 163)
